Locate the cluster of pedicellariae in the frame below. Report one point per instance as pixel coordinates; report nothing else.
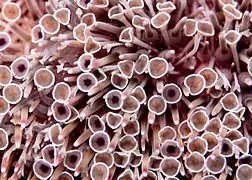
(125, 89)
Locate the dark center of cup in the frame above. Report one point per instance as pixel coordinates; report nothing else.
(40, 35)
(61, 110)
(73, 158)
(87, 82)
(51, 153)
(171, 149)
(246, 160)
(97, 124)
(2, 41)
(171, 93)
(100, 141)
(44, 168)
(225, 147)
(115, 99)
(87, 63)
(21, 68)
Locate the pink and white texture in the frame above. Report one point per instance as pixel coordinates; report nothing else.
(126, 89)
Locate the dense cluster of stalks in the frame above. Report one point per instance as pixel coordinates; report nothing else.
(125, 89)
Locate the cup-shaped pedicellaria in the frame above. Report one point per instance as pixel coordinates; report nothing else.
(170, 148)
(140, 22)
(4, 106)
(210, 76)
(209, 177)
(130, 104)
(244, 172)
(116, 12)
(184, 129)
(72, 159)
(65, 176)
(242, 144)
(12, 93)
(167, 133)
(127, 143)
(114, 100)
(79, 32)
(232, 37)
(196, 83)
(249, 66)
(121, 159)
(160, 21)
(205, 28)
(230, 102)
(158, 67)
(170, 166)
(215, 164)
(233, 135)
(245, 159)
(4, 141)
(139, 93)
(230, 121)
(119, 81)
(49, 153)
(91, 45)
(190, 27)
(85, 61)
(42, 169)
(104, 157)
(199, 120)
(54, 132)
(5, 75)
(154, 162)
(141, 64)
(150, 176)
(99, 171)
(44, 78)
(127, 174)
(172, 93)
(212, 140)
(37, 34)
(127, 36)
(62, 15)
(11, 11)
(20, 67)
(132, 128)
(61, 112)
(166, 6)
(226, 147)
(49, 24)
(195, 162)
(86, 81)
(198, 144)
(89, 19)
(5, 40)
(215, 93)
(96, 124)
(61, 92)
(113, 120)
(135, 159)
(126, 67)
(83, 4)
(99, 141)
(214, 125)
(157, 104)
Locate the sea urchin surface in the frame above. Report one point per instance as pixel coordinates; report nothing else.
(125, 89)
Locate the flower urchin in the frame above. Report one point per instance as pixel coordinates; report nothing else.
(125, 89)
